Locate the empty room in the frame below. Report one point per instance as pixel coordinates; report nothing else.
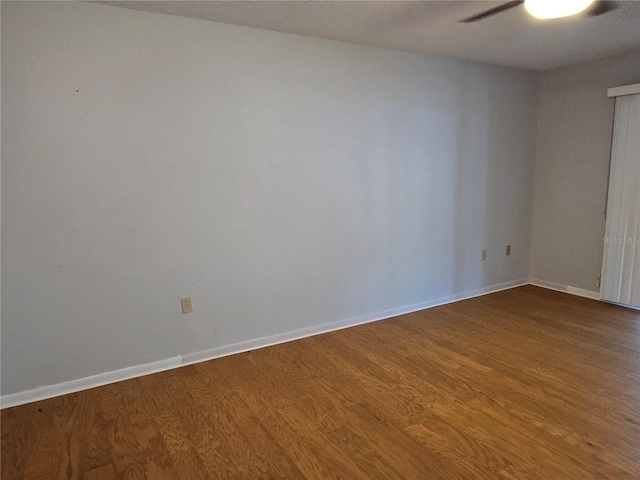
(320, 240)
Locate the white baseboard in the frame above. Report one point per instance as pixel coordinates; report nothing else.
(72, 386)
(565, 288)
(49, 391)
(339, 325)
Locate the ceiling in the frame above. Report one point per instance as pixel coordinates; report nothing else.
(512, 38)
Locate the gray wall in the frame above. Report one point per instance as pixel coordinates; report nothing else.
(281, 181)
(575, 120)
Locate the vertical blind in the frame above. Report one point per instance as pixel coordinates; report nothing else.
(621, 262)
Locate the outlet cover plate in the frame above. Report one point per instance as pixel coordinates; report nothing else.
(187, 306)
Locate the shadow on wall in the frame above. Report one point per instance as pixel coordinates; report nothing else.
(453, 177)
(493, 182)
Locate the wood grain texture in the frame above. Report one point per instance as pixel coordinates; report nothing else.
(521, 384)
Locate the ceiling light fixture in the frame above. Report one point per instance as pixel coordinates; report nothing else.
(555, 8)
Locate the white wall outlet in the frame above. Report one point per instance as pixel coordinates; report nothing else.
(187, 306)
(484, 255)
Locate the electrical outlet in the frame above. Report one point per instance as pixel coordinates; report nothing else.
(508, 249)
(187, 306)
(484, 255)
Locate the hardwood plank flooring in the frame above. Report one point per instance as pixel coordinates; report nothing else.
(526, 383)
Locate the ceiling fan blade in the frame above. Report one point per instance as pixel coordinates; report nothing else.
(492, 11)
(601, 7)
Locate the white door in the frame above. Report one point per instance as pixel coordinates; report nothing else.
(621, 263)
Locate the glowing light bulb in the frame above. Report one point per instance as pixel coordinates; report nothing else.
(555, 8)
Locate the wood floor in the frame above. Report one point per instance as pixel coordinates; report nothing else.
(522, 384)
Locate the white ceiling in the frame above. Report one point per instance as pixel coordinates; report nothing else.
(512, 38)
